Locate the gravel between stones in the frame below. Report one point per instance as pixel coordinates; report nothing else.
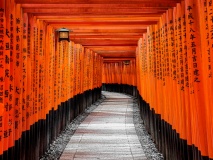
(58, 146)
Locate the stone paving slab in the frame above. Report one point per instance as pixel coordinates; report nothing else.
(107, 133)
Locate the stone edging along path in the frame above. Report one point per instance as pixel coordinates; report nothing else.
(144, 137)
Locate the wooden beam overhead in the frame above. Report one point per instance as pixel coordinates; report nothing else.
(164, 5)
(104, 23)
(112, 59)
(117, 59)
(108, 27)
(95, 11)
(115, 48)
(116, 55)
(98, 18)
(105, 42)
(106, 31)
(94, 1)
(98, 15)
(92, 37)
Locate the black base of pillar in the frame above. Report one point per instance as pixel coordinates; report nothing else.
(167, 140)
(120, 88)
(34, 142)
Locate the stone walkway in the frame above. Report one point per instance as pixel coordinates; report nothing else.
(107, 133)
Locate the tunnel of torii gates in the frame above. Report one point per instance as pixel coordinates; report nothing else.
(159, 51)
